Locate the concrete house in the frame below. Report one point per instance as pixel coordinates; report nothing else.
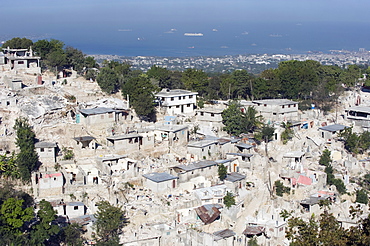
(20, 60)
(175, 135)
(48, 184)
(294, 160)
(174, 102)
(86, 142)
(329, 133)
(126, 143)
(235, 182)
(360, 115)
(210, 117)
(277, 109)
(205, 168)
(75, 209)
(8, 101)
(46, 152)
(73, 174)
(160, 182)
(213, 194)
(100, 116)
(241, 162)
(91, 175)
(118, 165)
(204, 149)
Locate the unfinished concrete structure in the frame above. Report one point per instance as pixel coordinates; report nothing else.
(359, 115)
(20, 60)
(127, 143)
(174, 102)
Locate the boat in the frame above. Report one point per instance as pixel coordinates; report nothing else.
(193, 34)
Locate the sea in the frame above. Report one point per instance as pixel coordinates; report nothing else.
(218, 39)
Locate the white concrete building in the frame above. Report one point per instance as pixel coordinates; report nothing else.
(174, 102)
(46, 152)
(160, 182)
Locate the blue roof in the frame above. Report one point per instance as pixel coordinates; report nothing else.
(159, 177)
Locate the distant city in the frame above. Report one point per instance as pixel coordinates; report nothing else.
(253, 63)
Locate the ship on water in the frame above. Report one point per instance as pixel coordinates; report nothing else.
(193, 34)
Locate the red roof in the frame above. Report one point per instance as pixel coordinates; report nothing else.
(50, 175)
(304, 180)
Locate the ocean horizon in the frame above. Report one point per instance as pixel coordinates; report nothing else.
(217, 39)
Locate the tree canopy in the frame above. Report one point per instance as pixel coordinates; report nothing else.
(109, 222)
(236, 121)
(18, 43)
(27, 159)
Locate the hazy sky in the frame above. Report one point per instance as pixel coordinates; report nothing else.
(47, 12)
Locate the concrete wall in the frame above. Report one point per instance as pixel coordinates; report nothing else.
(74, 211)
(208, 152)
(46, 155)
(161, 187)
(127, 145)
(49, 184)
(98, 119)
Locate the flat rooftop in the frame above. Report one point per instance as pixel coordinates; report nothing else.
(176, 92)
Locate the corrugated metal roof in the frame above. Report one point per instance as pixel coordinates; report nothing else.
(83, 138)
(93, 111)
(333, 128)
(45, 145)
(362, 109)
(244, 146)
(159, 177)
(233, 177)
(197, 165)
(253, 230)
(240, 154)
(208, 213)
(223, 234)
(202, 143)
(294, 154)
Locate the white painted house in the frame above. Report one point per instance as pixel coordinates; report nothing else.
(174, 102)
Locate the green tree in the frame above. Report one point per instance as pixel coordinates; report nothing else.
(8, 166)
(195, 80)
(331, 180)
(253, 242)
(361, 196)
(160, 74)
(18, 43)
(280, 189)
(325, 158)
(110, 221)
(229, 199)
(15, 215)
(73, 235)
(288, 132)
(108, 80)
(266, 133)
(75, 58)
(222, 172)
(141, 94)
(27, 158)
(44, 230)
(237, 122)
